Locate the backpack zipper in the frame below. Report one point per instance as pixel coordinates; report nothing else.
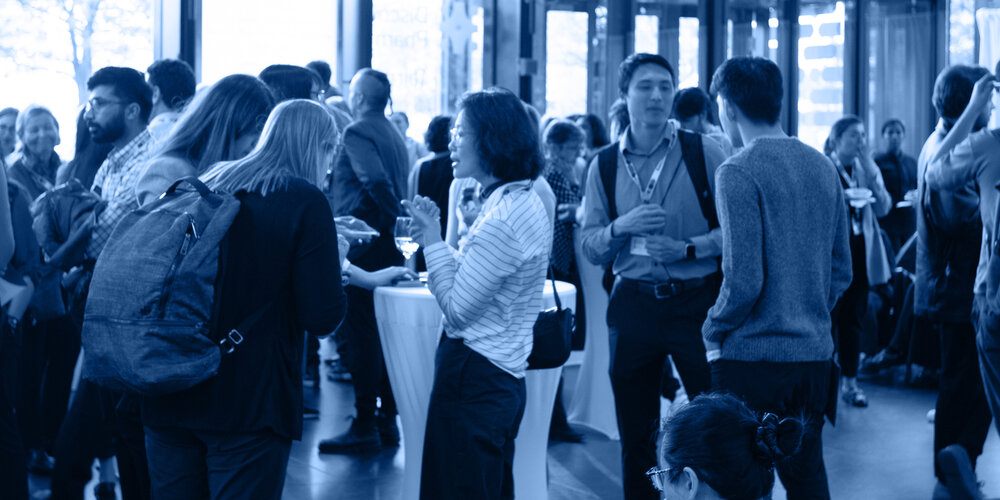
(185, 246)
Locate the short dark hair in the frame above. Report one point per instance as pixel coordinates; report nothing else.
(893, 121)
(953, 89)
(598, 132)
(505, 136)
(560, 131)
(631, 63)
(729, 448)
(381, 98)
(437, 135)
(287, 81)
(127, 84)
(322, 69)
(8, 111)
(175, 79)
(753, 84)
(691, 102)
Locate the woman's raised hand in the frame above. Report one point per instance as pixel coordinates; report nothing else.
(426, 219)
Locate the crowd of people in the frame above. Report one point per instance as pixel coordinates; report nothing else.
(734, 256)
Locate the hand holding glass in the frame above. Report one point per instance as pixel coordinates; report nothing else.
(404, 237)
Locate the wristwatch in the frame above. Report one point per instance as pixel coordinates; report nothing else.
(689, 251)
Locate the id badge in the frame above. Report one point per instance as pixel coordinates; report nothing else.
(639, 247)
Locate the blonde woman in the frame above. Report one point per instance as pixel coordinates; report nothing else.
(230, 436)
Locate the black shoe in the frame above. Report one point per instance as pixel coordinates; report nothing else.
(40, 463)
(564, 434)
(361, 437)
(388, 431)
(338, 372)
(669, 387)
(105, 491)
(884, 359)
(959, 476)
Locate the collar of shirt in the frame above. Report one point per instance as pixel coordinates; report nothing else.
(669, 135)
(501, 189)
(138, 144)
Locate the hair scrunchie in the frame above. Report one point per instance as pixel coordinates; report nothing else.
(777, 439)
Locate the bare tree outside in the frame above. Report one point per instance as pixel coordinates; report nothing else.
(49, 48)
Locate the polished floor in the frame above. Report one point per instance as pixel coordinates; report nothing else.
(882, 452)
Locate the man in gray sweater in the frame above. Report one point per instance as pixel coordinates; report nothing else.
(785, 259)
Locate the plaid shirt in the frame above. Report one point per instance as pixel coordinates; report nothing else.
(115, 182)
(562, 234)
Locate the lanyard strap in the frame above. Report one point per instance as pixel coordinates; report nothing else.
(645, 194)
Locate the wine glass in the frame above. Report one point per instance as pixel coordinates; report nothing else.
(404, 238)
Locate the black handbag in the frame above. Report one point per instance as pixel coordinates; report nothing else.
(553, 336)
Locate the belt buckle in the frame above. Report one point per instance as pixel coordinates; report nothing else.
(665, 290)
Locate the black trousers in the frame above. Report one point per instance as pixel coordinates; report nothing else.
(86, 433)
(48, 356)
(962, 413)
(189, 465)
(848, 316)
(473, 417)
(643, 331)
(800, 390)
(365, 361)
(13, 462)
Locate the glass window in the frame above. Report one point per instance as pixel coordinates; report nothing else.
(238, 39)
(565, 62)
(821, 70)
(974, 36)
(39, 64)
(901, 76)
(407, 45)
(647, 31)
(687, 66)
(752, 29)
(670, 28)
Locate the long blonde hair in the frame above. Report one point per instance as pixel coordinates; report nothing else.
(291, 146)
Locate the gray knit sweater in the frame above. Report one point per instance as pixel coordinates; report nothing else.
(786, 257)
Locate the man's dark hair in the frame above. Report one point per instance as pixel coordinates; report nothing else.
(560, 131)
(322, 69)
(127, 84)
(753, 84)
(382, 93)
(631, 63)
(505, 137)
(438, 133)
(288, 82)
(691, 102)
(8, 111)
(175, 79)
(893, 121)
(953, 89)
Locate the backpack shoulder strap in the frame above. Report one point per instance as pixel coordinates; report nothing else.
(607, 164)
(694, 160)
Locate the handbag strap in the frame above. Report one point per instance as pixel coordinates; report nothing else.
(555, 293)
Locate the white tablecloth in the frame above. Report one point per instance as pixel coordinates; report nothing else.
(409, 324)
(593, 403)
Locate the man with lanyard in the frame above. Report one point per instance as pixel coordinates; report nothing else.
(664, 249)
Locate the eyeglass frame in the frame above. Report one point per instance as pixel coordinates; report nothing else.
(654, 476)
(98, 103)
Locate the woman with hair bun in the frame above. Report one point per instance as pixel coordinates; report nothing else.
(716, 448)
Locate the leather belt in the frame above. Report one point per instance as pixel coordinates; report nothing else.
(668, 289)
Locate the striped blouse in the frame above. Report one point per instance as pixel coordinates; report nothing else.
(491, 289)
